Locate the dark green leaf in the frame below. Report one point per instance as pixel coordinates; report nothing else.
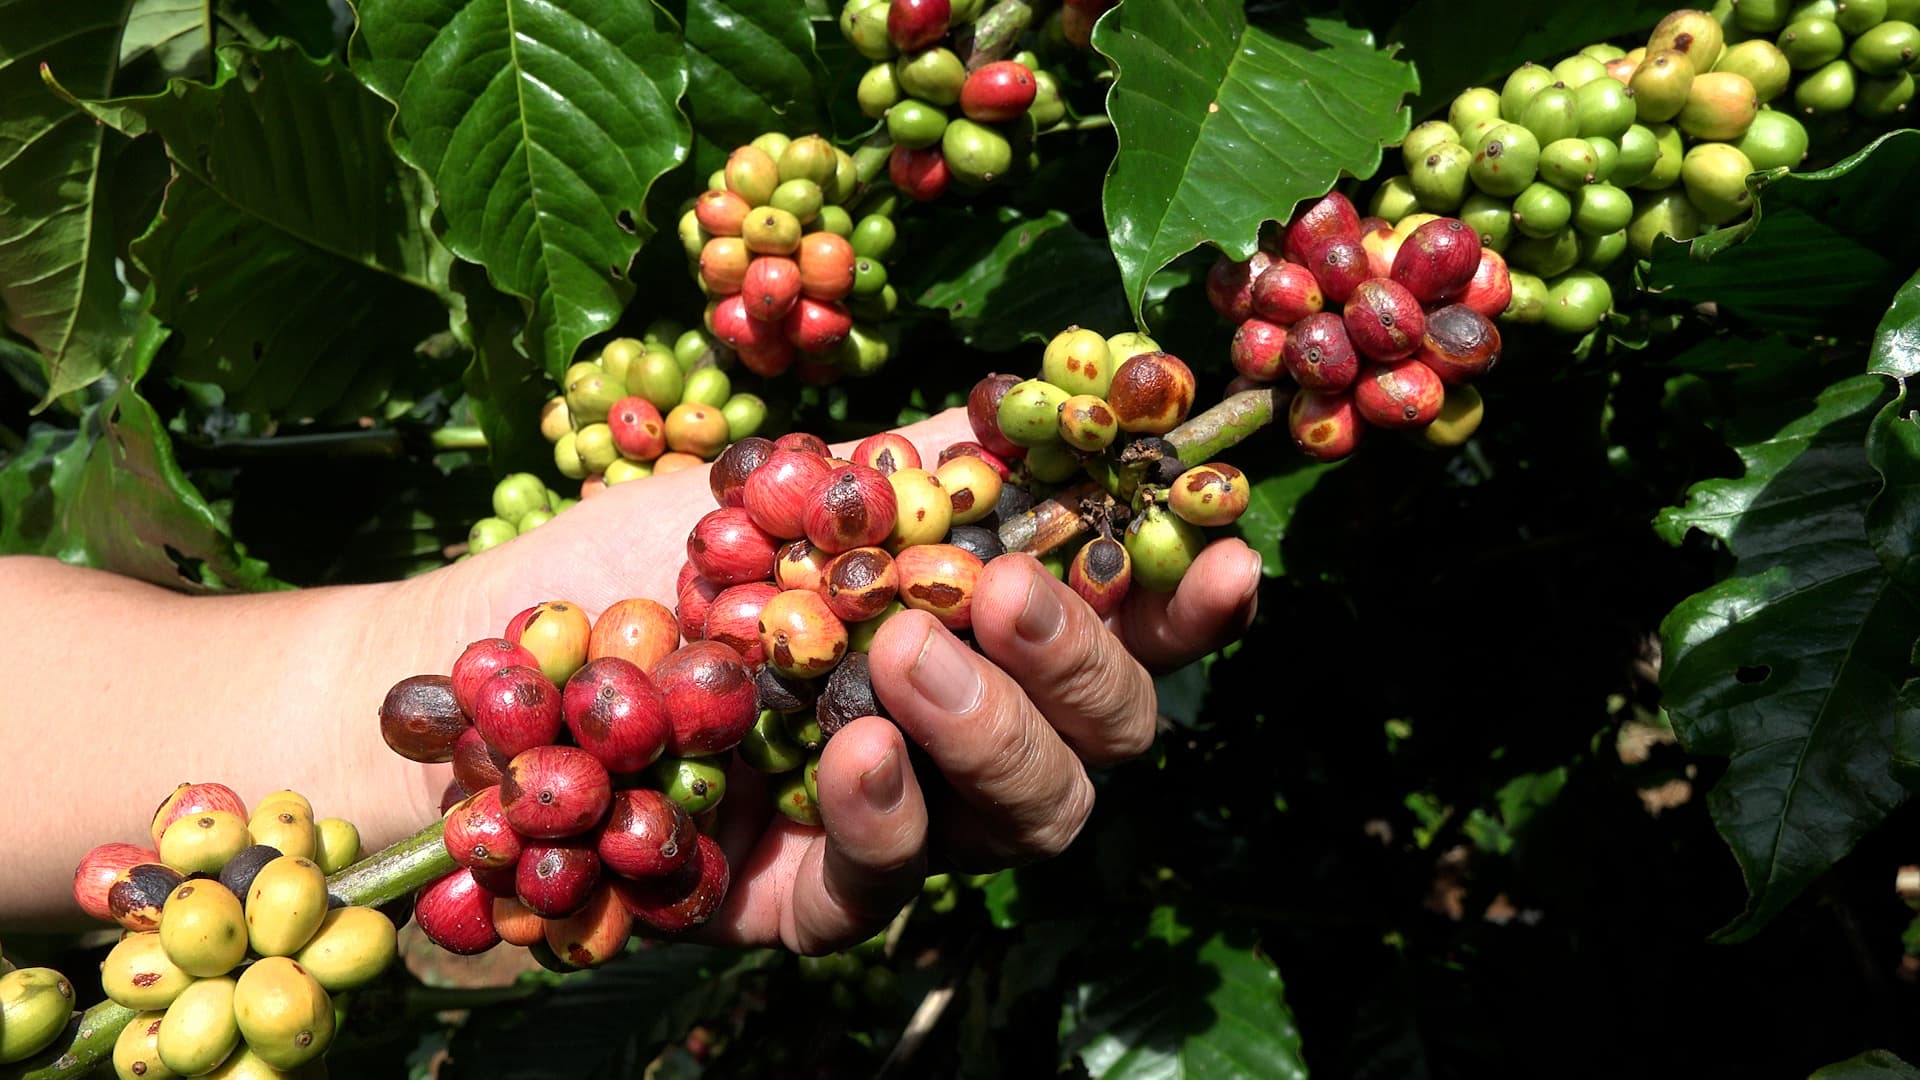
(1183, 1005)
(504, 384)
(1822, 249)
(1872, 1065)
(57, 283)
(1010, 280)
(166, 39)
(292, 250)
(542, 129)
(1793, 667)
(1273, 501)
(1223, 125)
(751, 68)
(1449, 42)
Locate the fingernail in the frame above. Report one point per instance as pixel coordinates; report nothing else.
(1254, 565)
(1041, 619)
(884, 785)
(944, 674)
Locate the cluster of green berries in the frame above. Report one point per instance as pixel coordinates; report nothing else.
(784, 264)
(35, 1004)
(948, 125)
(234, 954)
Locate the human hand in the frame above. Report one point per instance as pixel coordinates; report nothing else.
(1011, 728)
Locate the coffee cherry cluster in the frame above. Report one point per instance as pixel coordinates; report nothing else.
(233, 946)
(783, 262)
(1565, 169)
(1098, 408)
(35, 1004)
(1377, 326)
(918, 85)
(575, 782)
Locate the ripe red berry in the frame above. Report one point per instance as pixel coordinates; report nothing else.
(1491, 289)
(1323, 219)
(861, 583)
(475, 764)
(557, 879)
(917, 24)
(983, 414)
(775, 495)
(814, 326)
(886, 452)
(998, 92)
(616, 714)
(804, 442)
(1230, 285)
(1403, 395)
(1459, 344)
(728, 477)
(554, 791)
(457, 914)
(684, 899)
(721, 213)
(729, 549)
(638, 431)
(1339, 264)
(1257, 350)
(94, 877)
(1383, 320)
(939, 579)
(770, 286)
(1437, 258)
(921, 174)
(801, 635)
(767, 359)
(517, 710)
(826, 266)
(723, 264)
(1324, 426)
(1319, 355)
(477, 833)
(851, 507)
(646, 834)
(636, 630)
(711, 700)
(690, 607)
(1285, 293)
(420, 719)
(800, 565)
(733, 619)
(733, 325)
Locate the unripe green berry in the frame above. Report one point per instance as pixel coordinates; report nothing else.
(1567, 164)
(1541, 211)
(1548, 256)
(1775, 141)
(1054, 463)
(1639, 150)
(1162, 547)
(752, 174)
(1394, 200)
(555, 420)
(869, 277)
(707, 386)
(1660, 85)
(1828, 90)
(770, 747)
(1762, 64)
(1577, 302)
(566, 457)
(933, 75)
(1605, 108)
(975, 153)
(533, 519)
(1030, 413)
(489, 532)
(1472, 114)
(1527, 80)
(1662, 213)
(772, 143)
(770, 230)
(518, 493)
(1552, 115)
(1759, 16)
(1856, 17)
(915, 124)
(692, 347)
(1439, 177)
(594, 443)
(1715, 178)
(1426, 136)
(1883, 98)
(1489, 217)
(1606, 157)
(808, 157)
(590, 396)
(1811, 43)
(1125, 346)
(693, 238)
(1599, 251)
(836, 220)
(1506, 161)
(1048, 107)
(879, 90)
(1527, 306)
(1078, 362)
(745, 414)
(696, 783)
(657, 377)
(801, 198)
(617, 357)
(1666, 164)
(846, 178)
(1579, 70)
(1599, 209)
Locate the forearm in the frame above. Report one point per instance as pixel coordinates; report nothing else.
(120, 690)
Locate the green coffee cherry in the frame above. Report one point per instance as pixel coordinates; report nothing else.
(580, 369)
(1775, 141)
(35, 1003)
(1129, 344)
(1048, 107)
(752, 174)
(1394, 200)
(617, 473)
(810, 776)
(1528, 305)
(1606, 157)
(865, 28)
(745, 414)
(769, 747)
(1666, 167)
(693, 238)
(1078, 362)
(801, 198)
(1639, 149)
(199, 1031)
(1813, 9)
(1541, 211)
(1439, 179)
(859, 639)
(1053, 463)
(1856, 17)
(1828, 90)
(836, 220)
(1030, 413)
(1577, 302)
(617, 357)
(1904, 11)
(657, 377)
(591, 396)
(1087, 423)
(566, 457)
(862, 353)
(1162, 547)
(1720, 105)
(533, 519)
(1604, 108)
(869, 277)
(692, 347)
(594, 443)
(1695, 33)
(1759, 16)
(1886, 48)
(1567, 164)
(1660, 86)
(660, 333)
(696, 783)
(877, 307)
(1527, 80)
(1552, 115)
(932, 75)
(1425, 136)
(877, 92)
(975, 153)
(770, 230)
(1548, 256)
(491, 532)
(1473, 113)
(1599, 209)
(790, 794)
(846, 178)
(1762, 64)
(1662, 213)
(708, 386)
(808, 157)
(1601, 251)
(1715, 178)
(1603, 52)
(1882, 98)
(916, 124)
(1490, 217)
(803, 727)
(873, 236)
(1578, 70)
(518, 493)
(1811, 43)
(1506, 162)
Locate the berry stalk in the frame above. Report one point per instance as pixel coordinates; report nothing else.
(1059, 520)
(996, 33)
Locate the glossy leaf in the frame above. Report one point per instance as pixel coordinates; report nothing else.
(174, 38)
(1822, 249)
(1872, 1065)
(1793, 667)
(504, 384)
(1183, 1005)
(1449, 42)
(57, 283)
(1274, 499)
(542, 129)
(751, 68)
(1010, 279)
(1223, 125)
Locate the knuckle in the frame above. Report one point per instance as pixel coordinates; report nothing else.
(1066, 819)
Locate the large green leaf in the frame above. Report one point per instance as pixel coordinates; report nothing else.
(168, 39)
(111, 495)
(1223, 125)
(542, 128)
(292, 249)
(503, 383)
(1449, 42)
(57, 283)
(751, 68)
(1822, 249)
(1272, 502)
(1182, 1005)
(1872, 1065)
(1004, 279)
(1792, 668)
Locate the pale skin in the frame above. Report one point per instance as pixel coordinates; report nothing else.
(123, 689)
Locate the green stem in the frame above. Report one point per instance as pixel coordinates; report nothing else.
(997, 32)
(870, 158)
(419, 860)
(459, 438)
(1059, 520)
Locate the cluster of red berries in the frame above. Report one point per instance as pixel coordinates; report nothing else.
(1375, 327)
